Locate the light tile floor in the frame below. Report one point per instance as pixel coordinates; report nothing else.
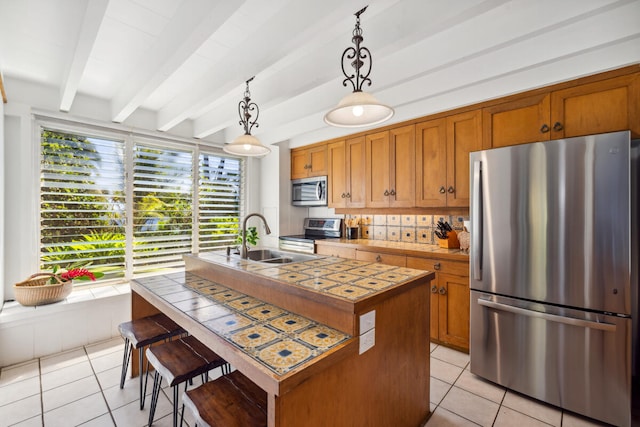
(81, 387)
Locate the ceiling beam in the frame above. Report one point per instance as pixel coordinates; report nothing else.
(93, 16)
(194, 23)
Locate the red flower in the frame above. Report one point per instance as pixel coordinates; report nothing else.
(75, 273)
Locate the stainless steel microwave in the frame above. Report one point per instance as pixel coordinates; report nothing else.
(309, 191)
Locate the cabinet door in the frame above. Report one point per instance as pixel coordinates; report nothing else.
(431, 163)
(356, 172)
(464, 135)
(517, 122)
(299, 163)
(605, 106)
(317, 161)
(453, 310)
(377, 170)
(402, 183)
(337, 175)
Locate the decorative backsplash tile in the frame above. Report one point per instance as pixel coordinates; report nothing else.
(405, 228)
(393, 219)
(393, 233)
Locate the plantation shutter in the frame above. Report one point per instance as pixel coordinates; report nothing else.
(82, 215)
(219, 198)
(162, 207)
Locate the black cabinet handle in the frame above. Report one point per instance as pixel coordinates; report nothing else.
(442, 190)
(451, 190)
(558, 126)
(343, 195)
(378, 258)
(544, 128)
(386, 192)
(436, 266)
(434, 289)
(393, 192)
(442, 291)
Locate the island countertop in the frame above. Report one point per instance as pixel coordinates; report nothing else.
(314, 354)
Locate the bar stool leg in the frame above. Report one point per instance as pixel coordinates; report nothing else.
(125, 362)
(157, 382)
(175, 404)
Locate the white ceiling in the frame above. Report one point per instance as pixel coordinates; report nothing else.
(187, 60)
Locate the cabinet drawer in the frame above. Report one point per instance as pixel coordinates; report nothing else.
(449, 267)
(397, 260)
(336, 251)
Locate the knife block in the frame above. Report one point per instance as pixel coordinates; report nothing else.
(451, 242)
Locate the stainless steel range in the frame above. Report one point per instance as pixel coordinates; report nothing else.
(314, 229)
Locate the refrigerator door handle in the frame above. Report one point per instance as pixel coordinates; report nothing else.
(476, 224)
(607, 327)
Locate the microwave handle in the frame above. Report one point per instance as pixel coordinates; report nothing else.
(319, 190)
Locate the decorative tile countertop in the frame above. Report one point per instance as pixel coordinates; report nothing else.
(348, 279)
(276, 338)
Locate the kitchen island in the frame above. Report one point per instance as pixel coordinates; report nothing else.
(332, 341)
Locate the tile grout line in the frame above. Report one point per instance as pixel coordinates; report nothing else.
(84, 347)
(41, 392)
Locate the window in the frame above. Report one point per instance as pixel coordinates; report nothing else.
(220, 186)
(82, 203)
(125, 218)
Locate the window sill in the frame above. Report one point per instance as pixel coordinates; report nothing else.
(13, 311)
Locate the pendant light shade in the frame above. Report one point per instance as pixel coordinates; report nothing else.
(358, 108)
(247, 144)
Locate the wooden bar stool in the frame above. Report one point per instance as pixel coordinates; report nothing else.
(180, 361)
(140, 333)
(229, 401)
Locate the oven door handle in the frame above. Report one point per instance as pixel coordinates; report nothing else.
(607, 327)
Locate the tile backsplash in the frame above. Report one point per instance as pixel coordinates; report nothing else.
(405, 228)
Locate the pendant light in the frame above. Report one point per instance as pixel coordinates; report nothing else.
(358, 108)
(247, 144)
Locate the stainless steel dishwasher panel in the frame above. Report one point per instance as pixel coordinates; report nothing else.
(578, 360)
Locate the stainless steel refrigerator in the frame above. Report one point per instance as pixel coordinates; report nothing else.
(554, 272)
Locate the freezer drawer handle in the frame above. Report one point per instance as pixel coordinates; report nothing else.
(608, 327)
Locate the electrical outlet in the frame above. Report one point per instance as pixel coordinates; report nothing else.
(367, 321)
(367, 340)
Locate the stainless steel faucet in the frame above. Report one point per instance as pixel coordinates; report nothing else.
(244, 248)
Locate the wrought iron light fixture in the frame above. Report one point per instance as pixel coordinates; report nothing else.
(358, 108)
(247, 144)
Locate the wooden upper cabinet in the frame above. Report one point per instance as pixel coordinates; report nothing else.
(402, 149)
(337, 180)
(605, 106)
(307, 162)
(347, 173)
(390, 168)
(355, 172)
(431, 163)
(464, 135)
(442, 159)
(517, 122)
(608, 105)
(377, 170)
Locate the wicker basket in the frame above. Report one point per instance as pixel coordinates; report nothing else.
(36, 291)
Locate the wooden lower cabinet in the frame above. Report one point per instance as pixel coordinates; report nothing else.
(384, 258)
(336, 251)
(449, 297)
(449, 300)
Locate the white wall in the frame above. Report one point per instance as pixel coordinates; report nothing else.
(2, 192)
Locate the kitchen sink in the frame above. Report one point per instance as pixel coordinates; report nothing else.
(272, 256)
